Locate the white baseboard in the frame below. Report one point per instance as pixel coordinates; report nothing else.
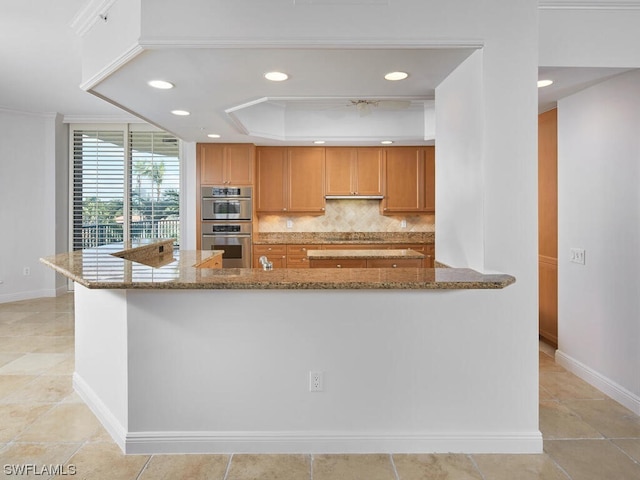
(100, 410)
(602, 383)
(327, 442)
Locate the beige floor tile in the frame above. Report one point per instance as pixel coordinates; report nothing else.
(440, 467)
(43, 389)
(41, 455)
(66, 422)
(544, 395)
(548, 364)
(566, 386)
(66, 367)
(10, 383)
(12, 317)
(102, 461)
(269, 467)
(592, 460)
(608, 417)
(558, 422)
(353, 467)
(20, 344)
(519, 467)
(631, 447)
(61, 344)
(193, 467)
(33, 363)
(16, 418)
(8, 357)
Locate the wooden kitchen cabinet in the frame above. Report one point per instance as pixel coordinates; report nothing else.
(271, 180)
(297, 255)
(226, 164)
(290, 180)
(277, 254)
(354, 171)
(409, 174)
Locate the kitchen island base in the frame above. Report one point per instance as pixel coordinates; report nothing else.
(220, 371)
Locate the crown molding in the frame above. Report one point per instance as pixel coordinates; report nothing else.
(124, 118)
(589, 5)
(89, 15)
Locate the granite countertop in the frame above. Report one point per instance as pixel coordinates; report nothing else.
(363, 254)
(312, 238)
(99, 268)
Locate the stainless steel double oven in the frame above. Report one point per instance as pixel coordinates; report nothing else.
(226, 223)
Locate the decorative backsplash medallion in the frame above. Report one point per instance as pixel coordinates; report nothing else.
(348, 216)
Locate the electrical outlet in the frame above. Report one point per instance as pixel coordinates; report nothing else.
(403, 223)
(26, 271)
(289, 223)
(316, 381)
(577, 255)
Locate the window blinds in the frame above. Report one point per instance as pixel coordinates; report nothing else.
(126, 185)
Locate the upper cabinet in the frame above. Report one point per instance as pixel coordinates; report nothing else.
(354, 171)
(290, 180)
(409, 174)
(226, 164)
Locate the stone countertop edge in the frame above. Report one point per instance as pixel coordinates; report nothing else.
(313, 238)
(98, 268)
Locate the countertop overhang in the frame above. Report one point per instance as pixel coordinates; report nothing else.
(98, 268)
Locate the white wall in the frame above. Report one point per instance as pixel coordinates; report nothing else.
(29, 150)
(599, 210)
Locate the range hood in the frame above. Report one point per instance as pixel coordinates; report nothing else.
(354, 197)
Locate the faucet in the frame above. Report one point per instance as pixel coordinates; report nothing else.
(266, 264)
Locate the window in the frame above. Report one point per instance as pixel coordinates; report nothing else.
(126, 186)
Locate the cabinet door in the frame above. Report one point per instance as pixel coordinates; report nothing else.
(340, 166)
(238, 164)
(211, 164)
(271, 188)
(404, 174)
(306, 179)
(368, 171)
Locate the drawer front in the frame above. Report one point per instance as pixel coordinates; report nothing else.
(297, 249)
(394, 262)
(269, 250)
(297, 261)
(346, 263)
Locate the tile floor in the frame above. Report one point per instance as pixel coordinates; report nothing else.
(42, 422)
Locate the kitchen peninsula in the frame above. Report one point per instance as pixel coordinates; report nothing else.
(173, 358)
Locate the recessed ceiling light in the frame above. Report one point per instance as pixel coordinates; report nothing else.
(318, 142)
(386, 142)
(181, 113)
(276, 76)
(394, 76)
(544, 83)
(161, 84)
(213, 135)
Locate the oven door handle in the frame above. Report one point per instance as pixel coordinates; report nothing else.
(224, 235)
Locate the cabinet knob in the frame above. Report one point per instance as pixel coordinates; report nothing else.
(338, 266)
(304, 249)
(394, 265)
(284, 209)
(322, 209)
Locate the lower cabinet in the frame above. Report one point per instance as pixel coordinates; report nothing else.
(366, 263)
(277, 254)
(295, 255)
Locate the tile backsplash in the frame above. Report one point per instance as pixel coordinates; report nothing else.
(348, 216)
